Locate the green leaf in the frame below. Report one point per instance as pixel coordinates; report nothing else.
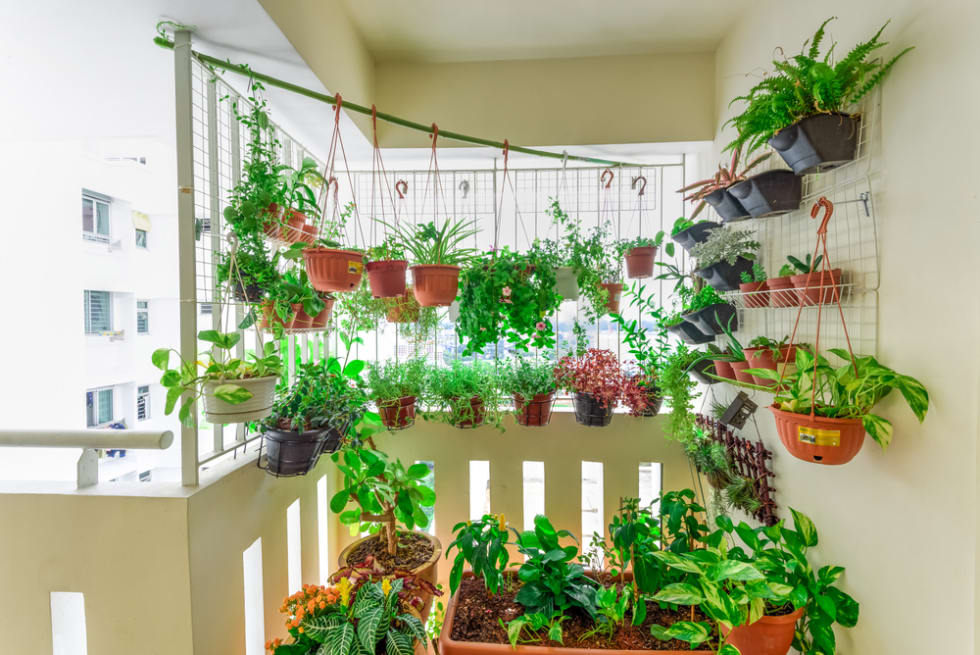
(417, 471)
(726, 649)
(733, 570)
(879, 428)
(232, 394)
(170, 378)
(341, 639)
(806, 528)
(679, 593)
(173, 395)
(398, 643)
(677, 561)
(368, 623)
(353, 368)
(161, 358)
(339, 501)
(690, 631)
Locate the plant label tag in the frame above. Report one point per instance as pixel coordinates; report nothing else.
(818, 437)
(355, 267)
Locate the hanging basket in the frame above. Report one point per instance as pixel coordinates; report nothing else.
(614, 291)
(536, 412)
(333, 270)
(290, 453)
(252, 293)
(292, 231)
(387, 278)
(257, 407)
(397, 414)
(435, 285)
(467, 417)
(820, 440)
(639, 262)
(320, 321)
(589, 411)
(566, 283)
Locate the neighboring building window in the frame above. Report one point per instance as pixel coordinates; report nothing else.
(98, 312)
(206, 308)
(143, 403)
(141, 238)
(95, 218)
(142, 316)
(98, 407)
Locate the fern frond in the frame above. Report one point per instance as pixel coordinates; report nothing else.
(877, 77)
(817, 38)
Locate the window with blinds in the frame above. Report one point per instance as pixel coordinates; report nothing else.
(98, 407)
(143, 316)
(143, 402)
(98, 312)
(95, 219)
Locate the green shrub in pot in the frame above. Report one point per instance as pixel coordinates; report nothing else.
(464, 394)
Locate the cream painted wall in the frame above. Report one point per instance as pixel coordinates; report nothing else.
(904, 523)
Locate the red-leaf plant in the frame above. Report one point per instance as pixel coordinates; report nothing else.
(724, 178)
(597, 372)
(413, 591)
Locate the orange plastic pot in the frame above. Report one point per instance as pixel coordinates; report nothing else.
(738, 368)
(387, 277)
(292, 231)
(809, 290)
(639, 262)
(270, 317)
(309, 233)
(333, 270)
(723, 369)
(761, 358)
(403, 309)
(781, 292)
(476, 418)
(435, 285)
(819, 440)
(397, 414)
(536, 412)
(300, 320)
(615, 290)
(770, 635)
(320, 320)
(754, 293)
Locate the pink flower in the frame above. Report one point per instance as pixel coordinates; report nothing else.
(506, 292)
(539, 326)
(483, 329)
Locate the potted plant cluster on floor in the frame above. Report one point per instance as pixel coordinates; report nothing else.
(395, 387)
(532, 385)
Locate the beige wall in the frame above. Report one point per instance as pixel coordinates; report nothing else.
(903, 522)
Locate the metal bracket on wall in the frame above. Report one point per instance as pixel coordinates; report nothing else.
(739, 411)
(864, 198)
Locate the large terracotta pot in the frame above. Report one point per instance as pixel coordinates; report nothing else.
(739, 369)
(397, 414)
(817, 439)
(808, 288)
(387, 277)
(257, 407)
(754, 293)
(435, 285)
(320, 320)
(615, 290)
(536, 412)
(781, 292)
(333, 270)
(639, 262)
(428, 571)
(770, 635)
(566, 283)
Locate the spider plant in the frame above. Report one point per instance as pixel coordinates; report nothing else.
(437, 246)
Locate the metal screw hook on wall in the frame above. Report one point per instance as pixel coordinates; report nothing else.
(639, 178)
(464, 186)
(401, 187)
(602, 178)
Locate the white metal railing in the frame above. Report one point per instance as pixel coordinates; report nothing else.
(89, 441)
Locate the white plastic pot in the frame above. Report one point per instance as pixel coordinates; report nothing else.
(257, 407)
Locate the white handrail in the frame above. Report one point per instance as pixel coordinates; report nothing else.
(94, 438)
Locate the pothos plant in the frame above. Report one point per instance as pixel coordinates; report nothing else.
(189, 378)
(507, 295)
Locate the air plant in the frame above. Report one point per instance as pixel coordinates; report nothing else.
(724, 178)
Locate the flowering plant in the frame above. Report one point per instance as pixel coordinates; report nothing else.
(597, 372)
(414, 590)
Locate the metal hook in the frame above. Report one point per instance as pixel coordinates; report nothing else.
(602, 178)
(643, 188)
(822, 202)
(401, 187)
(464, 186)
(564, 159)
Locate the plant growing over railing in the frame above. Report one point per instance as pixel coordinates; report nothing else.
(483, 545)
(724, 178)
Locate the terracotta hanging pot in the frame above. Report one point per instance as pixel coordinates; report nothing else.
(320, 320)
(781, 292)
(536, 412)
(293, 229)
(333, 270)
(754, 294)
(397, 414)
(467, 419)
(309, 233)
(738, 368)
(387, 277)
(435, 285)
(615, 290)
(403, 309)
(639, 262)
(300, 320)
(808, 287)
(820, 440)
(566, 283)
(770, 635)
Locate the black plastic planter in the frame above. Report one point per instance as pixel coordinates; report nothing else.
(818, 143)
(724, 276)
(713, 319)
(726, 206)
(769, 193)
(589, 411)
(689, 333)
(700, 369)
(253, 293)
(289, 453)
(654, 399)
(693, 235)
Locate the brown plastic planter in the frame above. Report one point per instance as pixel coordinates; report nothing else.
(292, 231)
(739, 369)
(387, 278)
(333, 270)
(309, 233)
(536, 412)
(781, 292)
(403, 309)
(428, 571)
(639, 262)
(320, 320)
(831, 441)
(787, 354)
(435, 285)
(397, 414)
(754, 294)
(300, 320)
(269, 317)
(723, 369)
(476, 419)
(808, 287)
(614, 289)
(770, 635)
(761, 357)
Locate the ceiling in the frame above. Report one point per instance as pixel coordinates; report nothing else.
(457, 31)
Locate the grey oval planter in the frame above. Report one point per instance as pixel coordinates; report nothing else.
(726, 205)
(769, 193)
(724, 276)
(694, 235)
(818, 143)
(689, 333)
(714, 318)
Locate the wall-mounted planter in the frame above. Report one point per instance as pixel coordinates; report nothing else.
(724, 276)
(398, 413)
(713, 319)
(818, 143)
(770, 635)
(435, 285)
(333, 270)
(754, 294)
(387, 277)
(289, 452)
(589, 411)
(689, 333)
(820, 440)
(639, 262)
(615, 290)
(782, 293)
(566, 283)
(738, 368)
(808, 287)
(535, 412)
(769, 193)
(257, 407)
(697, 233)
(726, 205)
(700, 371)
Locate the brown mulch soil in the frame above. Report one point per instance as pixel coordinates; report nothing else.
(477, 613)
(413, 550)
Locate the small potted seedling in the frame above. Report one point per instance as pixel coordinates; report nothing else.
(753, 286)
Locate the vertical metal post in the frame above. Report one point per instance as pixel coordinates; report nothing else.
(214, 208)
(187, 304)
(236, 176)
